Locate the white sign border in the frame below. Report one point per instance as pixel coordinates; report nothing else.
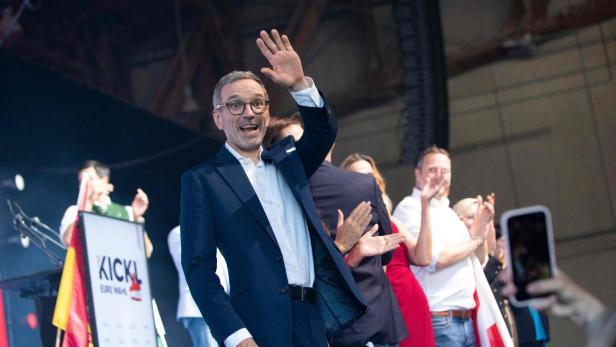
(89, 297)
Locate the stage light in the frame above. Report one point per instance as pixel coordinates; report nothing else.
(15, 183)
(24, 240)
(32, 321)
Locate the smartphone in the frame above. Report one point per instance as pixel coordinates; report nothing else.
(529, 248)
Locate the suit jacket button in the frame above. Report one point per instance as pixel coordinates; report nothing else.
(284, 290)
(279, 258)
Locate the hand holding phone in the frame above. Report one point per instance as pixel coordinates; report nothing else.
(529, 249)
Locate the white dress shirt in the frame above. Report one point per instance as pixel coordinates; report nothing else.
(283, 212)
(284, 215)
(186, 304)
(450, 288)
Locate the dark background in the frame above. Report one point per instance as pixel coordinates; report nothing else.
(48, 127)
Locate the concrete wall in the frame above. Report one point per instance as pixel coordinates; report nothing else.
(535, 131)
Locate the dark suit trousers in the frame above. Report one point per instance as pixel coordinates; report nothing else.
(308, 329)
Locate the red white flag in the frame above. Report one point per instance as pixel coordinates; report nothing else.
(70, 313)
(490, 327)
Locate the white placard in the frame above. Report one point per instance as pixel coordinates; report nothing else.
(120, 301)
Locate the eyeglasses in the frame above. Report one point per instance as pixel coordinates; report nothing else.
(236, 108)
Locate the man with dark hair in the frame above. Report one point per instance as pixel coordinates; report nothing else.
(340, 190)
(98, 201)
(288, 282)
(448, 280)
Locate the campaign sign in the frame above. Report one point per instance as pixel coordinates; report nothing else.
(119, 297)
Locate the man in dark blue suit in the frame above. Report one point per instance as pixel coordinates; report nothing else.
(289, 284)
(334, 189)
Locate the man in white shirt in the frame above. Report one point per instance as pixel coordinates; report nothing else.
(448, 280)
(188, 313)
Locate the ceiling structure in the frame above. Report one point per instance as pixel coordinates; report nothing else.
(100, 43)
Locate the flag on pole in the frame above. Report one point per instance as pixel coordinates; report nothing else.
(490, 327)
(70, 313)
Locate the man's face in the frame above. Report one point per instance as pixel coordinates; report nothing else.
(469, 216)
(100, 186)
(434, 164)
(244, 132)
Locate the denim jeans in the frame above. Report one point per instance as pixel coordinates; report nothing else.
(199, 332)
(453, 332)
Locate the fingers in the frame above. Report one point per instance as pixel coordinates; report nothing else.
(278, 40)
(141, 195)
(361, 214)
(435, 182)
(390, 243)
(543, 303)
(365, 216)
(492, 198)
(85, 176)
(270, 73)
(358, 210)
(264, 49)
(479, 201)
(395, 239)
(287, 43)
(269, 43)
(370, 234)
(489, 209)
(373, 230)
(340, 219)
(549, 285)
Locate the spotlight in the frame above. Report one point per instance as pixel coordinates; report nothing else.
(24, 240)
(16, 183)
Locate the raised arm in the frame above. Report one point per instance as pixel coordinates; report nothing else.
(139, 206)
(286, 66)
(482, 225)
(319, 122)
(420, 249)
(479, 233)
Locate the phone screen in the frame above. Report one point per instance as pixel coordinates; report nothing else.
(529, 249)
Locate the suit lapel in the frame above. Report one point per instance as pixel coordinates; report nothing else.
(295, 178)
(233, 173)
(292, 173)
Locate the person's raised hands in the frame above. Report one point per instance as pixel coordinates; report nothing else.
(563, 297)
(140, 205)
(348, 231)
(286, 66)
(483, 217)
(370, 245)
(434, 187)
